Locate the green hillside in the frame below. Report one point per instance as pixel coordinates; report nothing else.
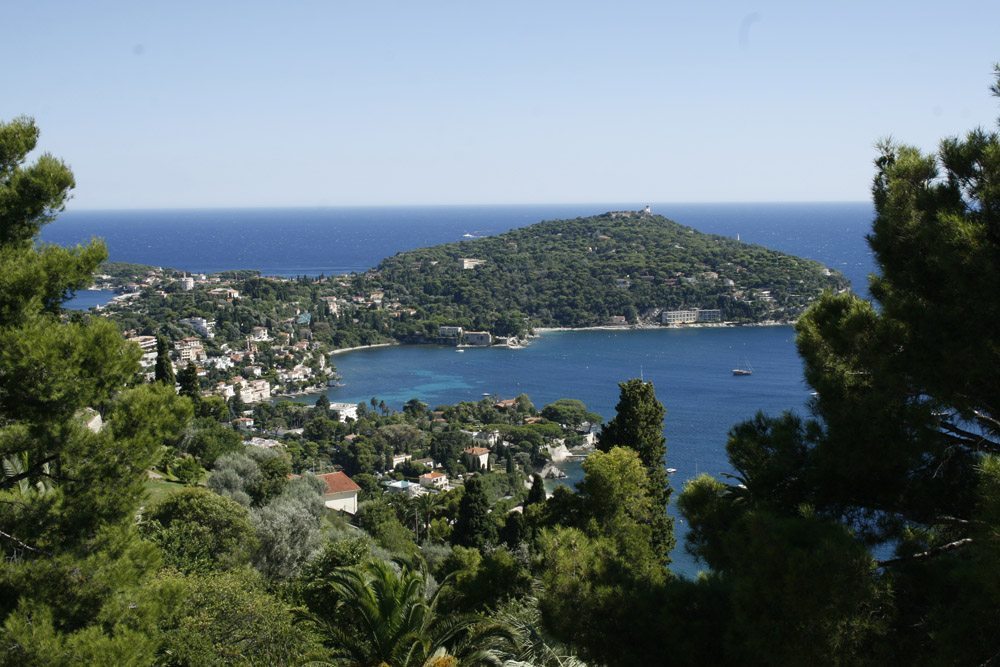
(586, 271)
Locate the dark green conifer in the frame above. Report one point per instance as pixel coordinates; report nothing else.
(474, 526)
(537, 493)
(164, 370)
(638, 425)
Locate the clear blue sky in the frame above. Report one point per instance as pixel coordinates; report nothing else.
(190, 104)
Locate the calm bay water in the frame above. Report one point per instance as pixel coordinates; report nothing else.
(690, 368)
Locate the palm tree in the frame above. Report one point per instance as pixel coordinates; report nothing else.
(424, 508)
(389, 619)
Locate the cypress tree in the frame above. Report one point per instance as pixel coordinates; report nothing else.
(474, 526)
(638, 425)
(164, 371)
(188, 380)
(537, 493)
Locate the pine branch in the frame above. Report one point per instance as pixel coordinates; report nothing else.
(930, 553)
(23, 545)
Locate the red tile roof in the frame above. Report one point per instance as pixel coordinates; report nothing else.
(434, 474)
(338, 482)
(476, 451)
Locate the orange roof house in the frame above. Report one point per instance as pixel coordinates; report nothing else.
(341, 492)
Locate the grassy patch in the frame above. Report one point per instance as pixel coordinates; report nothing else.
(158, 489)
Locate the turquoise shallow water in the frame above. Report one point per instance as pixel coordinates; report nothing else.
(691, 370)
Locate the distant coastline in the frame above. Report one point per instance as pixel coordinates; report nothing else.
(540, 331)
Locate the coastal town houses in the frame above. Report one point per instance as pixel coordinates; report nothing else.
(188, 350)
(341, 493)
(251, 391)
(255, 391)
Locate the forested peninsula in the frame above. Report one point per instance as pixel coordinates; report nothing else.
(616, 268)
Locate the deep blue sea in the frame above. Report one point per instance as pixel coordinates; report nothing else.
(691, 369)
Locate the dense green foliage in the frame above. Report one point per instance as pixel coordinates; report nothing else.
(582, 272)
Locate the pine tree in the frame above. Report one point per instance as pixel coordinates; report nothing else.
(69, 493)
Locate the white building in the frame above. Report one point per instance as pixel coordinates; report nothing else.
(189, 350)
(434, 480)
(404, 487)
(483, 338)
(449, 332)
(332, 306)
(345, 411)
(201, 326)
(470, 263)
(148, 346)
(265, 443)
(488, 438)
(477, 458)
(224, 292)
(255, 391)
(244, 423)
(690, 316)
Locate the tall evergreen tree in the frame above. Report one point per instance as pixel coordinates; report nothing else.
(474, 526)
(164, 369)
(638, 425)
(536, 494)
(69, 493)
(187, 378)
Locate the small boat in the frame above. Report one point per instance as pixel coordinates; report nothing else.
(745, 369)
